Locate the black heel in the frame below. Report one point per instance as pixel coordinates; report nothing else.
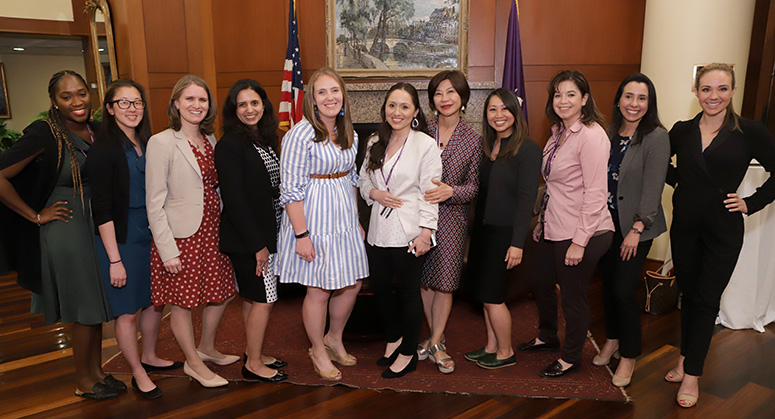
(385, 361)
(388, 373)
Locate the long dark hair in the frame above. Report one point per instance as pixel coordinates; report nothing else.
(345, 134)
(377, 150)
(589, 112)
(650, 120)
(62, 133)
(510, 147)
(206, 126)
(266, 133)
(109, 129)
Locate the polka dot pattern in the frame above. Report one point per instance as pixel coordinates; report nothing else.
(207, 275)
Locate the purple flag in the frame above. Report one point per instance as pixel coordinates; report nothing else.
(513, 75)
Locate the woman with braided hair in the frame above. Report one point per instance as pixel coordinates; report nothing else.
(41, 181)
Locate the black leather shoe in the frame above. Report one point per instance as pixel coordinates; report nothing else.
(491, 361)
(532, 346)
(155, 393)
(385, 361)
(411, 366)
(276, 378)
(150, 368)
(276, 365)
(99, 391)
(554, 370)
(114, 383)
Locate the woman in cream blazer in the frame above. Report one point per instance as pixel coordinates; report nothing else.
(401, 164)
(184, 211)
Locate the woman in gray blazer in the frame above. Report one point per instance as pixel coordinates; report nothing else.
(640, 152)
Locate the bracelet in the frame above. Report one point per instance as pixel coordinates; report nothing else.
(38, 219)
(303, 235)
(113, 263)
(420, 237)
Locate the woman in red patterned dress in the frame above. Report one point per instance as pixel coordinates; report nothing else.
(184, 209)
(461, 152)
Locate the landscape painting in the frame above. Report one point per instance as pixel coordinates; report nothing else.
(396, 38)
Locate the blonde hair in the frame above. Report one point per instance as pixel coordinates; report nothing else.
(344, 125)
(726, 68)
(206, 126)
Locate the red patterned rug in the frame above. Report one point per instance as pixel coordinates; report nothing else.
(286, 339)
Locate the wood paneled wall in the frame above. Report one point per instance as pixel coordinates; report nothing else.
(160, 41)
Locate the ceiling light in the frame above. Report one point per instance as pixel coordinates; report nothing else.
(18, 49)
(102, 49)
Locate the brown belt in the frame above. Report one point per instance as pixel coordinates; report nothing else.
(330, 175)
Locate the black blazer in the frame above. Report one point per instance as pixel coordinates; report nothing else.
(512, 190)
(109, 182)
(704, 178)
(248, 218)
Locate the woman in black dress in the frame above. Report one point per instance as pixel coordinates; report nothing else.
(248, 167)
(41, 180)
(508, 180)
(713, 152)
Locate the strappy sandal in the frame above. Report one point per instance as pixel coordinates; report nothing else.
(450, 364)
(673, 376)
(422, 353)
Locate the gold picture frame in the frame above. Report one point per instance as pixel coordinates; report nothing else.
(5, 107)
(367, 45)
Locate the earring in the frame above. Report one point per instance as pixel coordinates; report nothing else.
(317, 115)
(341, 111)
(463, 108)
(435, 112)
(415, 123)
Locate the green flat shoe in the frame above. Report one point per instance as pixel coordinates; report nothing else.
(491, 361)
(476, 355)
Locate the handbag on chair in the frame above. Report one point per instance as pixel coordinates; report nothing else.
(661, 293)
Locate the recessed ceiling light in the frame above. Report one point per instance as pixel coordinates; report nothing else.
(102, 49)
(18, 49)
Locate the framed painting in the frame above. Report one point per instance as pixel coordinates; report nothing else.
(396, 38)
(5, 108)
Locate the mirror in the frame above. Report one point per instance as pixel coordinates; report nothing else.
(103, 49)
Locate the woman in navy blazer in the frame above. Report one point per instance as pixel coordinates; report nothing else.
(713, 153)
(248, 167)
(640, 151)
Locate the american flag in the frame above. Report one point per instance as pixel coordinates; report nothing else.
(292, 93)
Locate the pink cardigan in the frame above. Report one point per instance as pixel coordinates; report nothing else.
(577, 184)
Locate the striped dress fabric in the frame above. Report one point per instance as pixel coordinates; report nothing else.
(330, 210)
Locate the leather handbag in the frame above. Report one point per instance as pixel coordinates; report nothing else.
(661, 291)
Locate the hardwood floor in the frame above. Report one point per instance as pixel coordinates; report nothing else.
(36, 379)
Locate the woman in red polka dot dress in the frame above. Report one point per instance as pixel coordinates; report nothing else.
(184, 208)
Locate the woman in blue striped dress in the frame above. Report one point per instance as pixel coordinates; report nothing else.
(321, 242)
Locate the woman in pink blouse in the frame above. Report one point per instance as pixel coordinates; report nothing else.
(575, 227)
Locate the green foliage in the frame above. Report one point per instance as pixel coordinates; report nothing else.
(7, 136)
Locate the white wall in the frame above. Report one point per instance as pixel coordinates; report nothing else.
(678, 35)
(27, 79)
(61, 10)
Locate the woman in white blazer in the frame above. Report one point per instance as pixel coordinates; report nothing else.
(401, 163)
(184, 208)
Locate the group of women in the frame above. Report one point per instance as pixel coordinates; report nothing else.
(164, 239)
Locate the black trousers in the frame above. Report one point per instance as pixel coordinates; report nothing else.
(704, 258)
(621, 280)
(401, 311)
(574, 281)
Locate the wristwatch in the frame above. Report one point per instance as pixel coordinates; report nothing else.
(636, 231)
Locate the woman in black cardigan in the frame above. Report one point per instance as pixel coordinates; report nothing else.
(116, 167)
(713, 153)
(508, 185)
(248, 167)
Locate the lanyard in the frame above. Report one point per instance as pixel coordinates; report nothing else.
(552, 154)
(390, 173)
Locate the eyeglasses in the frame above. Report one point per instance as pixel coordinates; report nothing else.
(124, 104)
